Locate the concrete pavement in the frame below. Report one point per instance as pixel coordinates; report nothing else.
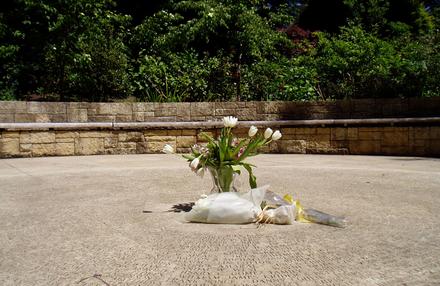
(102, 220)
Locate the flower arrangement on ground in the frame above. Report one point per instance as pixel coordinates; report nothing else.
(225, 156)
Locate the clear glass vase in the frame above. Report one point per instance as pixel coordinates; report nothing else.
(223, 179)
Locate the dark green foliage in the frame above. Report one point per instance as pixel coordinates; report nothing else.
(72, 49)
(181, 50)
(356, 63)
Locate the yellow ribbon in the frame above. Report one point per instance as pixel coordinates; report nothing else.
(299, 208)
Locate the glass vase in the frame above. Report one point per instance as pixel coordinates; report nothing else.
(223, 179)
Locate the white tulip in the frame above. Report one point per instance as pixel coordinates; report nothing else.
(201, 172)
(268, 133)
(194, 163)
(252, 131)
(276, 135)
(230, 121)
(168, 149)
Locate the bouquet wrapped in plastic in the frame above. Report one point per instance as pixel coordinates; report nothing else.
(258, 205)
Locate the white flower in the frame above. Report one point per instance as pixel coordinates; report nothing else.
(276, 135)
(201, 172)
(252, 131)
(230, 121)
(268, 133)
(168, 149)
(194, 163)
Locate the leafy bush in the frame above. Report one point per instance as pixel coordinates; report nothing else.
(283, 80)
(359, 64)
(180, 77)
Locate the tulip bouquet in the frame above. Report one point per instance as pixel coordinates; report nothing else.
(223, 157)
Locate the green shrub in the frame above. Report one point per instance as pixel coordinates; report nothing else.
(283, 80)
(179, 77)
(358, 64)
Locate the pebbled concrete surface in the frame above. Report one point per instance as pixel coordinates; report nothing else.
(80, 221)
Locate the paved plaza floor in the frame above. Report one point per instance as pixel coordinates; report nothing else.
(103, 220)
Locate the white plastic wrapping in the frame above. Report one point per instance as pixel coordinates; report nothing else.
(228, 207)
(281, 215)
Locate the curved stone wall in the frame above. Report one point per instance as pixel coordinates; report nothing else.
(380, 127)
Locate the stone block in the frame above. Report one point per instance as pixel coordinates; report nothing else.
(316, 146)
(226, 105)
(339, 133)
(131, 137)
(65, 140)
(189, 132)
(395, 137)
(142, 148)
(11, 134)
(161, 138)
(319, 137)
(202, 109)
(94, 134)
(292, 146)
(111, 142)
(158, 132)
(149, 114)
(269, 107)
(89, 146)
(157, 147)
(124, 118)
(9, 147)
(251, 104)
(220, 112)
(58, 117)
(369, 135)
(46, 107)
(364, 147)
(24, 117)
(323, 131)
(306, 131)
(434, 132)
(420, 143)
(175, 132)
(198, 118)
(161, 119)
(138, 116)
(246, 114)
(103, 108)
(6, 118)
(12, 106)
(37, 137)
(165, 112)
(65, 148)
(25, 148)
(66, 134)
(77, 115)
(286, 131)
(352, 133)
(185, 141)
(143, 106)
(395, 150)
(183, 110)
(46, 149)
(42, 118)
(127, 145)
(53, 149)
(101, 118)
(434, 147)
(293, 137)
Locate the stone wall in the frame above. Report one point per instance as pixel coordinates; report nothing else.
(385, 140)
(388, 126)
(20, 111)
